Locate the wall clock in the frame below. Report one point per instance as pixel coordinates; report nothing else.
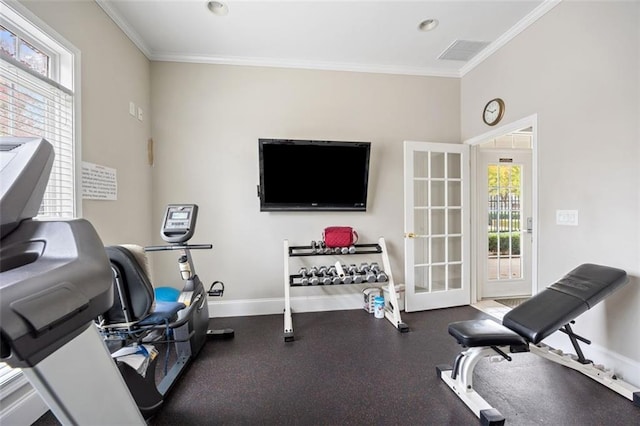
(493, 112)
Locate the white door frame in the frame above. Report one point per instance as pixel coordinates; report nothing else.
(530, 121)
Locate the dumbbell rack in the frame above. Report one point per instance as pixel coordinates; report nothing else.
(392, 311)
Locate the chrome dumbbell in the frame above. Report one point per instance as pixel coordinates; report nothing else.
(355, 275)
(370, 277)
(314, 279)
(335, 278)
(323, 249)
(346, 278)
(381, 276)
(325, 279)
(304, 276)
(348, 250)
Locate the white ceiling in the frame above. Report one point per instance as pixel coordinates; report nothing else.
(366, 36)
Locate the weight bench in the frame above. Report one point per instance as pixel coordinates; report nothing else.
(525, 326)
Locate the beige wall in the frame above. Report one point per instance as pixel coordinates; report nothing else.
(114, 72)
(206, 123)
(578, 68)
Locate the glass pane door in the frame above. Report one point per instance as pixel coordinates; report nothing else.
(435, 247)
(504, 239)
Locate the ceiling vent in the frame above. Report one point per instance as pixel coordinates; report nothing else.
(463, 50)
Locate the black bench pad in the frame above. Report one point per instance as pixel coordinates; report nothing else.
(543, 314)
(546, 312)
(484, 333)
(561, 302)
(591, 283)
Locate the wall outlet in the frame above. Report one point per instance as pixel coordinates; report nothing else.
(139, 113)
(567, 217)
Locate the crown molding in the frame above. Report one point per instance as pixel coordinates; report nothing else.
(505, 38)
(125, 27)
(309, 65)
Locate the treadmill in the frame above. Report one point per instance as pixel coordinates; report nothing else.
(55, 278)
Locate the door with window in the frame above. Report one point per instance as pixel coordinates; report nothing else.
(436, 225)
(505, 216)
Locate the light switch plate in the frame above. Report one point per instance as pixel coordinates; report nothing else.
(567, 217)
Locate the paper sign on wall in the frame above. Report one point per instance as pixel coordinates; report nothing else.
(99, 182)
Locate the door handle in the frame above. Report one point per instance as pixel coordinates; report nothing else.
(529, 229)
(410, 235)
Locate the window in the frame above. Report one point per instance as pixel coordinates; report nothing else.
(37, 100)
(38, 73)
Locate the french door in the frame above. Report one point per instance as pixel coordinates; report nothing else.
(436, 225)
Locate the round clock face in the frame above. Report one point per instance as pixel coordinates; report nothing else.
(493, 112)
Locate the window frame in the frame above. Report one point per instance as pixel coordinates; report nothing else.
(64, 70)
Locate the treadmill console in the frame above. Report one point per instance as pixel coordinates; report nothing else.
(55, 277)
(25, 165)
(179, 223)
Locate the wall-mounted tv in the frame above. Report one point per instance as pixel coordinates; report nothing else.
(307, 175)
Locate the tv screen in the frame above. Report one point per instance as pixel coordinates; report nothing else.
(313, 175)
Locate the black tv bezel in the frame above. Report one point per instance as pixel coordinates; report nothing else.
(283, 207)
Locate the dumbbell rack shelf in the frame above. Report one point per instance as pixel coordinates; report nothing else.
(392, 311)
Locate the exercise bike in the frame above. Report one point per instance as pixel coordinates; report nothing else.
(137, 322)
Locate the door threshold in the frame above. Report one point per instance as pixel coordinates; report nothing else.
(492, 308)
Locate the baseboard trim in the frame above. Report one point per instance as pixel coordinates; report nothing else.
(251, 307)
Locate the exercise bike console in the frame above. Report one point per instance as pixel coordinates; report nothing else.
(179, 223)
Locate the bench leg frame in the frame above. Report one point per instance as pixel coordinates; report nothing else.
(462, 384)
(460, 378)
(598, 373)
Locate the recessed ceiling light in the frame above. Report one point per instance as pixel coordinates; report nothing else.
(428, 25)
(217, 8)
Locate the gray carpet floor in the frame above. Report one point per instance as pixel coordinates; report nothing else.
(348, 368)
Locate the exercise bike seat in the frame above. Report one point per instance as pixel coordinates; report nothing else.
(134, 300)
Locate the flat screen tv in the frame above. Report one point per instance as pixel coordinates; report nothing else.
(306, 175)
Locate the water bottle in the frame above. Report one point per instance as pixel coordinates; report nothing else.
(185, 268)
(378, 306)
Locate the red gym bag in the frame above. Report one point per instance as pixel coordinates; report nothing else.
(339, 236)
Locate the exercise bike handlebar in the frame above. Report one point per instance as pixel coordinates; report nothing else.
(179, 247)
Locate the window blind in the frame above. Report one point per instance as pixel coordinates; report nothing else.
(34, 106)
